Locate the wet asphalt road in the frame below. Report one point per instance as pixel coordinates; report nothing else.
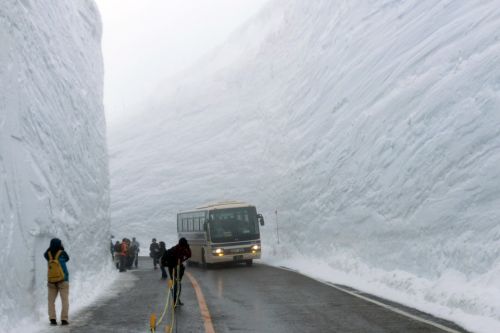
(243, 299)
(267, 299)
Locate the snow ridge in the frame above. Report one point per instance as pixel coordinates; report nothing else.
(371, 126)
(53, 155)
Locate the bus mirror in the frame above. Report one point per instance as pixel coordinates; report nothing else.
(260, 218)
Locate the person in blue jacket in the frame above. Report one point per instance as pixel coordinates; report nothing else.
(56, 251)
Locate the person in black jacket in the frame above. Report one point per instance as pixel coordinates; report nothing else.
(61, 287)
(174, 258)
(153, 252)
(163, 264)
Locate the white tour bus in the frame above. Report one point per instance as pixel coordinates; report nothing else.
(222, 232)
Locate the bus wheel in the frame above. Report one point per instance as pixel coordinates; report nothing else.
(249, 262)
(203, 261)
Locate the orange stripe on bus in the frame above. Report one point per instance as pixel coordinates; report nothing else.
(205, 314)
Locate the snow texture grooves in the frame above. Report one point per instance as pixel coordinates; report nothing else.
(373, 128)
(53, 155)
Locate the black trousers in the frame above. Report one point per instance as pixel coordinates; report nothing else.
(155, 261)
(123, 263)
(163, 272)
(172, 271)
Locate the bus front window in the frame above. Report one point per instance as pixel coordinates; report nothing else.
(236, 224)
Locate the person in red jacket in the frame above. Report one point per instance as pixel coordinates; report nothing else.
(173, 259)
(123, 255)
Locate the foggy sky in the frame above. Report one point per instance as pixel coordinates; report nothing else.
(146, 42)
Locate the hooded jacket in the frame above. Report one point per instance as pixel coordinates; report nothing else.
(55, 246)
(177, 254)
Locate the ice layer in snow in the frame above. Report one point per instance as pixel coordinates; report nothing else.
(53, 155)
(372, 128)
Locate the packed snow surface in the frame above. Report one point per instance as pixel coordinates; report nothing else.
(53, 155)
(372, 128)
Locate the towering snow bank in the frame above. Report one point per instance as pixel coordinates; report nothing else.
(371, 126)
(53, 158)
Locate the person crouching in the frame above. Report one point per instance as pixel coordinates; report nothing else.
(174, 258)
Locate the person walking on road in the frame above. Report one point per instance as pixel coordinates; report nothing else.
(57, 280)
(174, 257)
(162, 259)
(153, 252)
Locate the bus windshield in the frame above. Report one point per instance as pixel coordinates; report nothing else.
(235, 224)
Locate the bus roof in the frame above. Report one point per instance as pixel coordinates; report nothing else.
(218, 205)
(224, 205)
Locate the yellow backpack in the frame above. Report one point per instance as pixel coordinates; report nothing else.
(55, 272)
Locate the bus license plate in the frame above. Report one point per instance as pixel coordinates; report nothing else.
(236, 258)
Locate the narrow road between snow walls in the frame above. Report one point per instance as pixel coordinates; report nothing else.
(237, 298)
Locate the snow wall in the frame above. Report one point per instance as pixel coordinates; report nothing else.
(372, 127)
(54, 179)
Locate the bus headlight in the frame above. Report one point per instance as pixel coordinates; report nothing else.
(255, 248)
(218, 252)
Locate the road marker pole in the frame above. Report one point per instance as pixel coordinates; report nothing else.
(277, 229)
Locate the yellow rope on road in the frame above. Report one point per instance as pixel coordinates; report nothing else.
(152, 323)
(170, 286)
(170, 328)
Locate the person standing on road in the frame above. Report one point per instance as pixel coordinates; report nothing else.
(130, 254)
(117, 253)
(134, 246)
(175, 256)
(57, 280)
(153, 252)
(123, 255)
(112, 248)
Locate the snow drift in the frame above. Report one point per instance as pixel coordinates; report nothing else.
(371, 126)
(53, 156)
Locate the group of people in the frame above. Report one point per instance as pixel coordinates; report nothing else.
(125, 253)
(172, 260)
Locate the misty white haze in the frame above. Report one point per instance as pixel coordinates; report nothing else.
(370, 130)
(147, 42)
